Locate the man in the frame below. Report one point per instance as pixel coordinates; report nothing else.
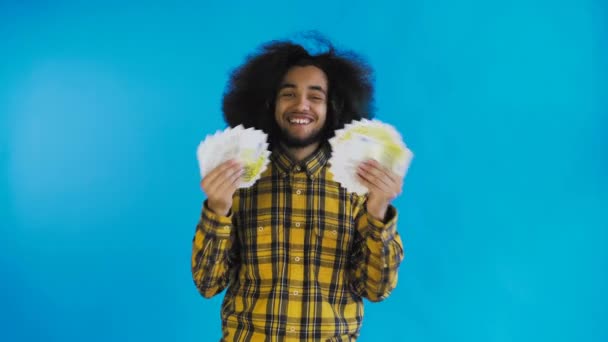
(296, 252)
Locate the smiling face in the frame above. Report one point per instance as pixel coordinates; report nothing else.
(301, 106)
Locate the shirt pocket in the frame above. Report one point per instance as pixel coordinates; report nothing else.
(334, 225)
(257, 248)
(332, 252)
(334, 237)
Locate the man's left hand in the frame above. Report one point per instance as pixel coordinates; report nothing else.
(383, 184)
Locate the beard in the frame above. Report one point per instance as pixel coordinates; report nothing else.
(294, 142)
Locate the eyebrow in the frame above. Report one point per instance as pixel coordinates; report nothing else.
(312, 87)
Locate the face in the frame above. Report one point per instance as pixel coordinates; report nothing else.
(301, 106)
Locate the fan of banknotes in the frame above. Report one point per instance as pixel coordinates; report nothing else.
(363, 140)
(247, 145)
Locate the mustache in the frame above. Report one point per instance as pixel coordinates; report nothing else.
(285, 137)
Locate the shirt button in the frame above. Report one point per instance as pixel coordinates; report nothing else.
(260, 228)
(226, 227)
(296, 259)
(334, 232)
(292, 329)
(297, 224)
(312, 177)
(298, 168)
(299, 192)
(295, 293)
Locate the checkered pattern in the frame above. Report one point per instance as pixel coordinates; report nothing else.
(297, 255)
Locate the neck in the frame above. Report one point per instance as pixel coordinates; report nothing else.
(301, 153)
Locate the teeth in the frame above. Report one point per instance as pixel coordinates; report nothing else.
(299, 121)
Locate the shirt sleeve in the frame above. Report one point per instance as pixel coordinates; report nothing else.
(214, 253)
(377, 253)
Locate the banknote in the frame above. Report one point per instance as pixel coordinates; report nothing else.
(247, 145)
(363, 140)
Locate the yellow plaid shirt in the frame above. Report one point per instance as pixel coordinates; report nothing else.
(297, 255)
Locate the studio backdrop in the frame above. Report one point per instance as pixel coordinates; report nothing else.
(504, 210)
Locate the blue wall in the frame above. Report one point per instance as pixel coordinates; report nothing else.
(504, 212)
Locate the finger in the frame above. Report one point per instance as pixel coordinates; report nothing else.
(218, 171)
(233, 182)
(224, 178)
(373, 174)
(382, 171)
(373, 189)
(365, 182)
(223, 181)
(373, 184)
(232, 187)
(394, 181)
(388, 191)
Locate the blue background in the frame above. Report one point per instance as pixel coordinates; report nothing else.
(504, 211)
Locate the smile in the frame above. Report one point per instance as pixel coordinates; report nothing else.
(298, 121)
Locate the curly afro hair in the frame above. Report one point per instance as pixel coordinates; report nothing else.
(249, 98)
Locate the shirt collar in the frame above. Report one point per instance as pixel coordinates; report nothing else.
(311, 165)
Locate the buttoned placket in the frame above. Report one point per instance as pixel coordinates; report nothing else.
(297, 233)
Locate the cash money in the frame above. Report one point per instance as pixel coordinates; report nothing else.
(362, 140)
(247, 145)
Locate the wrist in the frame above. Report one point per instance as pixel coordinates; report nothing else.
(218, 209)
(377, 212)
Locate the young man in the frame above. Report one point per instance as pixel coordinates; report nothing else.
(296, 252)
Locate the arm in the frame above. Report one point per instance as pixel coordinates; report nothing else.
(377, 253)
(215, 255)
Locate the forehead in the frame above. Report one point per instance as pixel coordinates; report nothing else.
(305, 76)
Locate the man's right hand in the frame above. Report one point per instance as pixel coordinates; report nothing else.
(220, 184)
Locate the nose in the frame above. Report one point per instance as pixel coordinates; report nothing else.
(303, 104)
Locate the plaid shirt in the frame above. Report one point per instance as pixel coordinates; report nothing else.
(297, 255)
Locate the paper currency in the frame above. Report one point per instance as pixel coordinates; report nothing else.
(247, 145)
(363, 140)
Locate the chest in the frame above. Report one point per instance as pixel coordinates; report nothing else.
(294, 213)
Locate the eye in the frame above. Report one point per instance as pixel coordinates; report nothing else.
(287, 95)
